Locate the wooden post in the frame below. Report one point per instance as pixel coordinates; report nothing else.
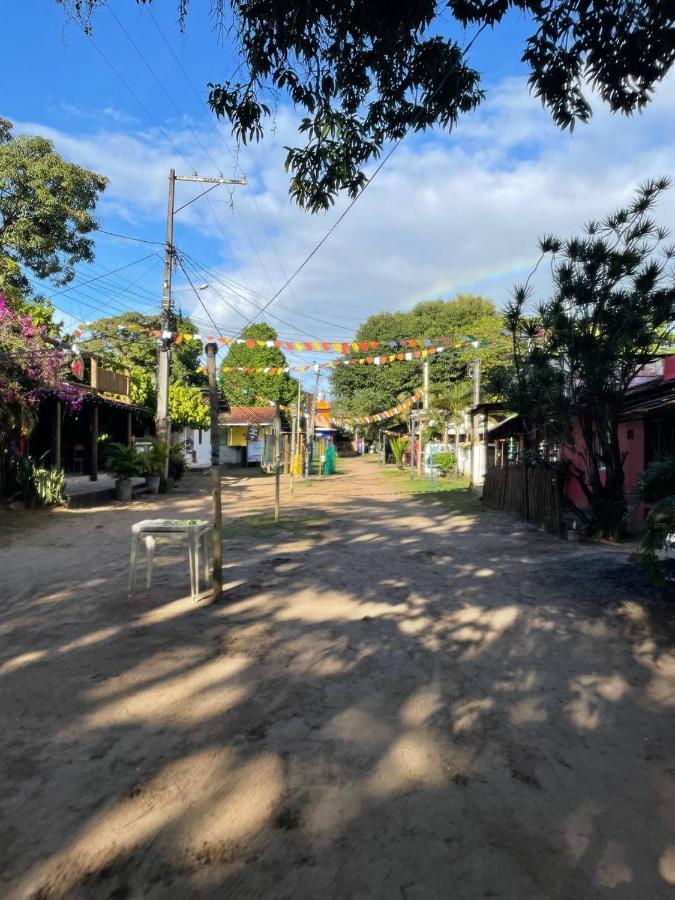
(93, 475)
(277, 467)
(57, 436)
(217, 583)
(486, 442)
(130, 430)
(471, 449)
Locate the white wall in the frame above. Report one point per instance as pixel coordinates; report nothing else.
(200, 442)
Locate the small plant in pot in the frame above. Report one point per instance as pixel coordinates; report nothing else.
(123, 463)
(154, 464)
(177, 463)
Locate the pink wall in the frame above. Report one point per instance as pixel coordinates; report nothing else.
(669, 368)
(632, 443)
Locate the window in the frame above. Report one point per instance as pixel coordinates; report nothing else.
(200, 436)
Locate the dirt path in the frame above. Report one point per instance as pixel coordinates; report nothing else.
(395, 701)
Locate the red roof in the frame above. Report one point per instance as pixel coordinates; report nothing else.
(249, 415)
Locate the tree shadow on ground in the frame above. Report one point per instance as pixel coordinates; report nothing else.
(393, 702)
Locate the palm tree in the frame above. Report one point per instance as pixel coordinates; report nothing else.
(450, 402)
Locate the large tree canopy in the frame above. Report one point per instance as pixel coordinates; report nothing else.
(46, 207)
(256, 388)
(364, 72)
(127, 340)
(362, 390)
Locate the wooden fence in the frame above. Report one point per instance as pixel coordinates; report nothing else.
(530, 492)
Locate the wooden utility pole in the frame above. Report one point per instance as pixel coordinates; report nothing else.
(277, 465)
(57, 436)
(162, 423)
(310, 431)
(217, 582)
(476, 401)
(425, 407)
(93, 474)
(295, 435)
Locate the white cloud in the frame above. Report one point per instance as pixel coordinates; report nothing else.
(446, 214)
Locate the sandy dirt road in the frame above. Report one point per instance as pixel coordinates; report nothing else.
(396, 700)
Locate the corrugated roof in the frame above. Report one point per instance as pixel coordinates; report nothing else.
(248, 415)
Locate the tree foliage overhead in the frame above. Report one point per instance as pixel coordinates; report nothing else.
(126, 340)
(365, 72)
(46, 208)
(611, 312)
(256, 388)
(362, 390)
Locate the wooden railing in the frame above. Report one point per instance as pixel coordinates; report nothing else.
(109, 382)
(532, 493)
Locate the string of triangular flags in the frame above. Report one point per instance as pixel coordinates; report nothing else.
(352, 346)
(351, 361)
(180, 338)
(401, 407)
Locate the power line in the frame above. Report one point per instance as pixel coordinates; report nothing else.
(196, 292)
(139, 101)
(129, 237)
(104, 275)
(378, 169)
(164, 90)
(249, 321)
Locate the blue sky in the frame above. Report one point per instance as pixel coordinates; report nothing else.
(448, 213)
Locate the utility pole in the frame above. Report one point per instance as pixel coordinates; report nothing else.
(295, 435)
(215, 475)
(162, 423)
(310, 434)
(277, 465)
(425, 407)
(476, 401)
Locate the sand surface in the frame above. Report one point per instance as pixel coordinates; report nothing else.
(395, 701)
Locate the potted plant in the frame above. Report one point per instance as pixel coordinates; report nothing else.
(154, 464)
(123, 463)
(177, 462)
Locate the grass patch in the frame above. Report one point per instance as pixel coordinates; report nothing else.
(453, 493)
(258, 523)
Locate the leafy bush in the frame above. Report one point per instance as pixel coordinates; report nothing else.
(657, 483)
(38, 485)
(177, 463)
(122, 461)
(50, 486)
(446, 462)
(188, 407)
(398, 446)
(153, 460)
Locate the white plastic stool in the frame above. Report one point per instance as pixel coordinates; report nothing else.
(195, 530)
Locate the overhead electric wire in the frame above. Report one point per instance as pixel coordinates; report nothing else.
(210, 275)
(104, 275)
(354, 200)
(164, 90)
(140, 102)
(196, 293)
(129, 237)
(236, 166)
(250, 321)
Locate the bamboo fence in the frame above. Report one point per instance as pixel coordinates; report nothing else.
(530, 492)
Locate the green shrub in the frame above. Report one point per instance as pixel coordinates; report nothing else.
(446, 462)
(398, 447)
(122, 461)
(38, 485)
(177, 463)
